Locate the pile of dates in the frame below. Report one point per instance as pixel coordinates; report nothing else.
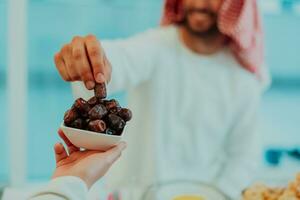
(98, 114)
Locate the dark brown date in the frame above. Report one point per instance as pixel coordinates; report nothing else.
(100, 91)
(70, 116)
(116, 122)
(78, 123)
(87, 121)
(119, 132)
(97, 126)
(110, 104)
(98, 112)
(115, 110)
(82, 107)
(125, 114)
(93, 101)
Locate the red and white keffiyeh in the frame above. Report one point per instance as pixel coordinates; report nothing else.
(240, 21)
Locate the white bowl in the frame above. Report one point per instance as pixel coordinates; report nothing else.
(90, 140)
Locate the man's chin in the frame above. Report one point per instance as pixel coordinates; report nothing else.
(199, 30)
(202, 31)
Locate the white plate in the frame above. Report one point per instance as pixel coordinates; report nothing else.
(90, 140)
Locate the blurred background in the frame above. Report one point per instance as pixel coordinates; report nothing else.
(50, 23)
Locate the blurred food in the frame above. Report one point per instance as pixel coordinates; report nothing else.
(186, 197)
(97, 114)
(263, 192)
(183, 190)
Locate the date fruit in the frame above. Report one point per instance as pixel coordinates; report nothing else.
(98, 112)
(115, 122)
(97, 126)
(70, 116)
(125, 114)
(82, 107)
(100, 91)
(93, 101)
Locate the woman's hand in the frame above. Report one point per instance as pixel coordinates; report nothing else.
(87, 165)
(83, 59)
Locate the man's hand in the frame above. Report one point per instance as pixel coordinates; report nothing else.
(83, 60)
(87, 165)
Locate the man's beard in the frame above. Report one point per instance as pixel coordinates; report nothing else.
(212, 31)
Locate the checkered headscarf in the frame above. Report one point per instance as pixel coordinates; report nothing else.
(240, 21)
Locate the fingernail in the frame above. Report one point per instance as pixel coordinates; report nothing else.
(100, 78)
(90, 85)
(58, 144)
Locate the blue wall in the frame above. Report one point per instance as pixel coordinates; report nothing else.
(3, 136)
(282, 41)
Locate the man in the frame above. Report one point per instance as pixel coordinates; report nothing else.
(194, 87)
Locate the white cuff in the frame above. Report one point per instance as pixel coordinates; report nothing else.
(67, 187)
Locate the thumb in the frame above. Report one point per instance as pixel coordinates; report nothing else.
(60, 152)
(114, 153)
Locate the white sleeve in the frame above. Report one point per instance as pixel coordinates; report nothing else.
(133, 60)
(243, 145)
(62, 188)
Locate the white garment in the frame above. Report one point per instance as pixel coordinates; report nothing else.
(62, 188)
(195, 116)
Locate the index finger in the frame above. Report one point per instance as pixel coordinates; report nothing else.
(96, 57)
(81, 62)
(114, 153)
